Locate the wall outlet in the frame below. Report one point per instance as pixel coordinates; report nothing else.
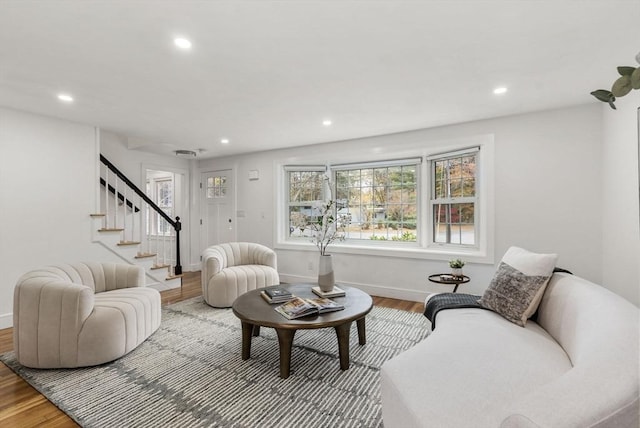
(310, 266)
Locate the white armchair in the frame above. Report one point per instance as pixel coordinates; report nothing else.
(82, 314)
(232, 269)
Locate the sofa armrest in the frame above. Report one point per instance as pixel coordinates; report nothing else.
(603, 396)
(48, 314)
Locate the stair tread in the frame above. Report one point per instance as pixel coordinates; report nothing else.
(128, 243)
(144, 255)
(160, 266)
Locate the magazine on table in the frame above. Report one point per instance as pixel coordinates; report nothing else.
(299, 307)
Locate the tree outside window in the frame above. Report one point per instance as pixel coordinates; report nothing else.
(454, 200)
(305, 195)
(381, 202)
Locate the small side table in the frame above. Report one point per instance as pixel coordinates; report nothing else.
(453, 281)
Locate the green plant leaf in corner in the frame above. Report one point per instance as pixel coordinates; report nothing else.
(625, 71)
(605, 96)
(621, 87)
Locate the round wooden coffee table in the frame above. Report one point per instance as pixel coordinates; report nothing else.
(254, 312)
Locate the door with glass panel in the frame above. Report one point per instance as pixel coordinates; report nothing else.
(217, 197)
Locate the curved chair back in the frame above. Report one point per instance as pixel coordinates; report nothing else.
(231, 269)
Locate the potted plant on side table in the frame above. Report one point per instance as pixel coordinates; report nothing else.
(456, 267)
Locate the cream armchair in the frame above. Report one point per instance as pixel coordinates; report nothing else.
(82, 314)
(231, 269)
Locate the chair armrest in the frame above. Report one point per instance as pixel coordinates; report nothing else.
(213, 261)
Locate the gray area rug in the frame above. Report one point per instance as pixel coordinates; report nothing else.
(189, 373)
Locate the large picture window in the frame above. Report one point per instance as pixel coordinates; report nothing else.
(381, 202)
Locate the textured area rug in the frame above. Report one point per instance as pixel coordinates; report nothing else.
(190, 373)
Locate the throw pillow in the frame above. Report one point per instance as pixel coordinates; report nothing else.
(518, 284)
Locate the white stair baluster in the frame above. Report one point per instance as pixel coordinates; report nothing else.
(115, 202)
(124, 211)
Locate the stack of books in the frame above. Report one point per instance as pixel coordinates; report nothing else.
(336, 292)
(276, 294)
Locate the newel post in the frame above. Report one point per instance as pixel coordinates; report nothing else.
(178, 269)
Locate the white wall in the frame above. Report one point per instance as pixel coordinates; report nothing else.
(547, 197)
(621, 217)
(48, 187)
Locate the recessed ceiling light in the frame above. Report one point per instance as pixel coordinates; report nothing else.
(327, 122)
(182, 43)
(224, 141)
(65, 97)
(500, 90)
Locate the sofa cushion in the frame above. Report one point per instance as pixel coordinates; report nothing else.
(518, 284)
(470, 369)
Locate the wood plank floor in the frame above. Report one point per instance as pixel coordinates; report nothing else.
(22, 406)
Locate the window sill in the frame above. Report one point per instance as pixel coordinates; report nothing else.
(472, 255)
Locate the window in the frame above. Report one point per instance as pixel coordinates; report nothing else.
(433, 206)
(454, 198)
(381, 202)
(216, 187)
(305, 185)
(160, 189)
(164, 200)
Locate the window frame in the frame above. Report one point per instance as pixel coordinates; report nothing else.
(393, 163)
(434, 200)
(321, 169)
(424, 248)
(153, 186)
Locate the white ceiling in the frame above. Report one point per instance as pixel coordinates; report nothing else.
(266, 73)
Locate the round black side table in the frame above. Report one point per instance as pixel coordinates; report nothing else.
(448, 279)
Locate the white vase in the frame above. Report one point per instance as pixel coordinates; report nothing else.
(457, 272)
(326, 280)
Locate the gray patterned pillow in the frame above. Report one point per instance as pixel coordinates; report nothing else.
(518, 285)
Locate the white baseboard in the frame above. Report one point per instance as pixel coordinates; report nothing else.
(6, 321)
(193, 267)
(374, 290)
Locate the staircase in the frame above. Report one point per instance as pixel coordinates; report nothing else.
(136, 230)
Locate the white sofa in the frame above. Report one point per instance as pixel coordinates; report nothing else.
(82, 314)
(577, 366)
(231, 269)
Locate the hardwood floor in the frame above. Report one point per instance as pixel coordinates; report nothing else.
(22, 406)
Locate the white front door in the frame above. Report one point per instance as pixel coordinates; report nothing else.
(217, 201)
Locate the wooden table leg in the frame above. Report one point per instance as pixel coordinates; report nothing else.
(256, 330)
(285, 341)
(342, 331)
(362, 335)
(247, 331)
